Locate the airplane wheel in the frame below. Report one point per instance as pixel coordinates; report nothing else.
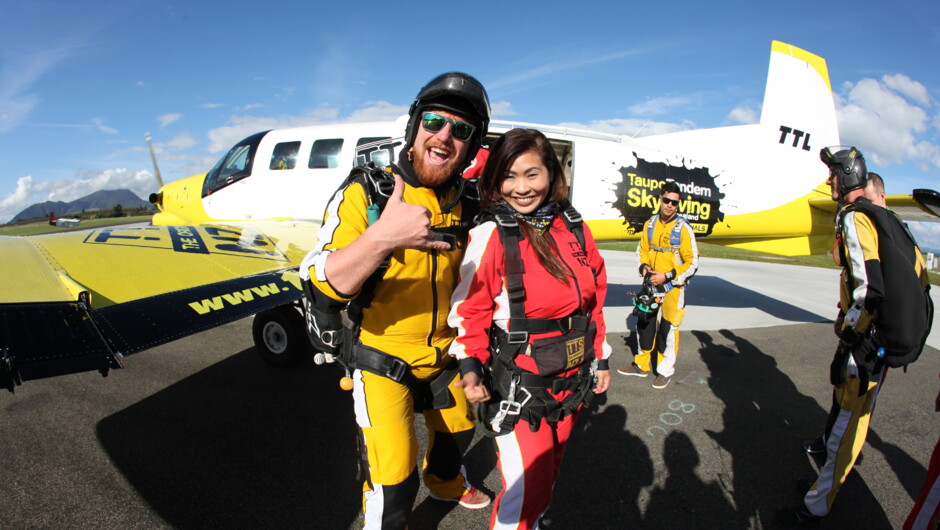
(278, 335)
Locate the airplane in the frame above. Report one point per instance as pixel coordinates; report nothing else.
(226, 244)
(63, 222)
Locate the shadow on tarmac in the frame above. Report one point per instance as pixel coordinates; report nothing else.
(613, 466)
(242, 445)
(764, 416)
(712, 291)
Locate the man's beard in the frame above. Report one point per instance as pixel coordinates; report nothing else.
(433, 176)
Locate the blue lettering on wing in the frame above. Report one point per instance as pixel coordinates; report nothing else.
(187, 239)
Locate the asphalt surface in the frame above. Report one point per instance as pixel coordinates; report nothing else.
(201, 433)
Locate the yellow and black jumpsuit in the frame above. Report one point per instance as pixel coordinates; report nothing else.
(856, 372)
(407, 318)
(660, 333)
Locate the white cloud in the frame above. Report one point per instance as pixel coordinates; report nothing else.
(887, 120)
(376, 111)
(98, 123)
(29, 192)
(167, 119)
(908, 88)
(501, 108)
(659, 106)
(927, 235)
(630, 127)
(182, 142)
(565, 61)
(19, 72)
(240, 127)
(210, 105)
(743, 115)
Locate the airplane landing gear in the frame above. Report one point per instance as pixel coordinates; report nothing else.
(279, 335)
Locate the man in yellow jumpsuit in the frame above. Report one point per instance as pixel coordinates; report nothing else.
(404, 326)
(668, 259)
(878, 310)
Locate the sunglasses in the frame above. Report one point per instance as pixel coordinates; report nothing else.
(434, 122)
(673, 202)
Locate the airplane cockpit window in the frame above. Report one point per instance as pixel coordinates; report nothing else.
(325, 154)
(285, 155)
(380, 150)
(234, 166)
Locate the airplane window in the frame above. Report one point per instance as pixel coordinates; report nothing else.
(234, 166)
(325, 153)
(285, 155)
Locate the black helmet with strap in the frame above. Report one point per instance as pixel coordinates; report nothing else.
(458, 93)
(848, 164)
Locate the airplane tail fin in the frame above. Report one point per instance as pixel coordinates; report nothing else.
(798, 108)
(52, 218)
(799, 93)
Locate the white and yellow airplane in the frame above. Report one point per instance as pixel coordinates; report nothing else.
(226, 244)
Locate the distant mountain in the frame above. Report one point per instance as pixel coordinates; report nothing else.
(99, 200)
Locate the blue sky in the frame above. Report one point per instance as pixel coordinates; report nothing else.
(81, 83)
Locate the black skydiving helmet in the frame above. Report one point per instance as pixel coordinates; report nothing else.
(458, 93)
(848, 164)
(648, 300)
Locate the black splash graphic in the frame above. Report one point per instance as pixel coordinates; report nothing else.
(638, 194)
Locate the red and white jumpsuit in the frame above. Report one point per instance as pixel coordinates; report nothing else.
(529, 461)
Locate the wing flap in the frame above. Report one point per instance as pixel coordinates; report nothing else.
(80, 301)
(49, 339)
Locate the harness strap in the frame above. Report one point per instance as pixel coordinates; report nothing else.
(426, 395)
(575, 322)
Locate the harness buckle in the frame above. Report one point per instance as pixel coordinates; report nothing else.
(505, 221)
(397, 370)
(573, 215)
(518, 337)
(507, 407)
(510, 406)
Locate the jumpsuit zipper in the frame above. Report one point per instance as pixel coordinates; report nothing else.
(434, 306)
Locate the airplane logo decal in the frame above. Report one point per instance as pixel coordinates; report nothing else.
(229, 240)
(797, 135)
(289, 279)
(637, 194)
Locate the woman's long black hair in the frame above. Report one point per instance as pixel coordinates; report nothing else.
(509, 147)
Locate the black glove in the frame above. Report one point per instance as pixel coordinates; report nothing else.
(867, 361)
(849, 336)
(837, 368)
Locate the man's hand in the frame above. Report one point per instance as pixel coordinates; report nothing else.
(404, 225)
(473, 388)
(657, 278)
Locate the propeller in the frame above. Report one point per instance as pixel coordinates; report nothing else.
(153, 158)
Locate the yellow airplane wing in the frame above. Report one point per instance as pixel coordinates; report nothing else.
(79, 301)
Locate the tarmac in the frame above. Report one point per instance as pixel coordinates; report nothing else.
(201, 433)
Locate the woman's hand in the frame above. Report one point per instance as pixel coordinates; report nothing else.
(473, 388)
(603, 381)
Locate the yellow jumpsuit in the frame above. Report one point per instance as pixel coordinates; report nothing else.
(408, 319)
(856, 392)
(662, 332)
